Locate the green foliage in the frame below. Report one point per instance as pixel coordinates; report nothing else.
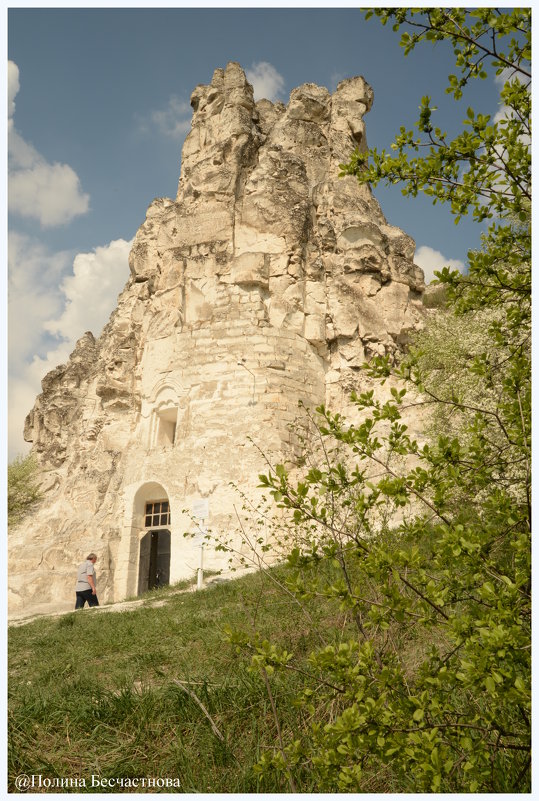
(435, 297)
(462, 366)
(455, 575)
(426, 546)
(23, 487)
(486, 168)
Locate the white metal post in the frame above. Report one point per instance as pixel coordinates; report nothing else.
(200, 576)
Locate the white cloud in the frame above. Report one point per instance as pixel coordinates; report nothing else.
(173, 121)
(507, 74)
(21, 397)
(21, 154)
(50, 193)
(430, 260)
(266, 81)
(13, 87)
(33, 293)
(504, 112)
(335, 80)
(91, 291)
(49, 311)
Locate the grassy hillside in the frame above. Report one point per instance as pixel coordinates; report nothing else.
(95, 694)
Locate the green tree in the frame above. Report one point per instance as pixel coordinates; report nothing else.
(432, 688)
(485, 169)
(22, 487)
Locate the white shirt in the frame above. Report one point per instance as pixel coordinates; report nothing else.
(85, 569)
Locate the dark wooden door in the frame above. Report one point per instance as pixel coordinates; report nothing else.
(159, 567)
(154, 561)
(144, 563)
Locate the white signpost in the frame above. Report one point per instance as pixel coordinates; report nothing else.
(201, 511)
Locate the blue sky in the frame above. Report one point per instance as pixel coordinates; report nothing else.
(98, 107)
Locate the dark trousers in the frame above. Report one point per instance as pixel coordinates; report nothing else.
(86, 595)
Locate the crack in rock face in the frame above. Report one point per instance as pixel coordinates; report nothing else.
(266, 282)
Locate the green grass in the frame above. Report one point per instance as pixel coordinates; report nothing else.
(171, 589)
(93, 693)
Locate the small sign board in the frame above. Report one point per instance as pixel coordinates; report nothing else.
(201, 509)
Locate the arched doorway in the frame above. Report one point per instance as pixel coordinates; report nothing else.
(152, 520)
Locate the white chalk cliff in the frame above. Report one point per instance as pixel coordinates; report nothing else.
(267, 281)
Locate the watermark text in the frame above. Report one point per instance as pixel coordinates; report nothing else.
(36, 781)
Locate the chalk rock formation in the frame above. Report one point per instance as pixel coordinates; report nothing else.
(268, 280)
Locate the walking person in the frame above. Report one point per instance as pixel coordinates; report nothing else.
(86, 583)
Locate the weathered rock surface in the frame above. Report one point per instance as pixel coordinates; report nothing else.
(267, 281)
